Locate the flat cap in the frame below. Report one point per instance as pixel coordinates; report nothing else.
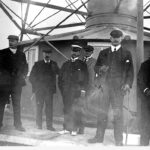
(47, 50)
(15, 37)
(116, 33)
(88, 48)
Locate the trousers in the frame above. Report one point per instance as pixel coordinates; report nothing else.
(44, 97)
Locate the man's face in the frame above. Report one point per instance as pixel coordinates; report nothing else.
(88, 54)
(75, 53)
(13, 43)
(46, 56)
(115, 41)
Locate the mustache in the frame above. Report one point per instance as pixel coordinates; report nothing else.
(47, 57)
(75, 55)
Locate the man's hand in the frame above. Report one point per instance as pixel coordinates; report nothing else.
(147, 92)
(125, 88)
(103, 69)
(83, 93)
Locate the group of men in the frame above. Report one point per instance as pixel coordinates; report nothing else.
(76, 81)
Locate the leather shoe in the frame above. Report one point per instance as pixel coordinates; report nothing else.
(51, 129)
(20, 128)
(95, 140)
(81, 131)
(39, 127)
(119, 144)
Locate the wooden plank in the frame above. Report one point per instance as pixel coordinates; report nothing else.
(25, 19)
(139, 51)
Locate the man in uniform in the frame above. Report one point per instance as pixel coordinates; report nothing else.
(18, 69)
(73, 80)
(90, 61)
(43, 80)
(143, 83)
(116, 64)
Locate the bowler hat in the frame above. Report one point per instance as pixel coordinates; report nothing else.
(116, 33)
(14, 37)
(88, 48)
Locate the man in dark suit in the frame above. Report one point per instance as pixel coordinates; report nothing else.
(73, 80)
(18, 69)
(143, 83)
(43, 80)
(5, 82)
(114, 64)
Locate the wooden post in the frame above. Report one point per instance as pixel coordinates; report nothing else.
(139, 50)
(140, 43)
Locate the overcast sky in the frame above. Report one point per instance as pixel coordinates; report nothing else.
(7, 27)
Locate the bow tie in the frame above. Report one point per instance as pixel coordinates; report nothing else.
(114, 50)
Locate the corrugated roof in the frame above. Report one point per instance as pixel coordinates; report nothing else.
(100, 33)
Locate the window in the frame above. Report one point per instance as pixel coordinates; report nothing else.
(31, 56)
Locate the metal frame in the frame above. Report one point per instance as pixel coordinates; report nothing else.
(31, 27)
(32, 30)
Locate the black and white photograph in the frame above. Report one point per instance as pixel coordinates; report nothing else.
(74, 74)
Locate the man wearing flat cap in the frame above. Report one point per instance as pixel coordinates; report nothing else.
(116, 66)
(43, 80)
(14, 61)
(72, 81)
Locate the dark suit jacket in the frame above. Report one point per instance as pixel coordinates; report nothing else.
(124, 65)
(19, 66)
(5, 72)
(73, 74)
(16, 65)
(44, 76)
(143, 82)
(144, 76)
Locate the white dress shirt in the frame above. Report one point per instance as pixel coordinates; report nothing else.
(13, 50)
(113, 48)
(47, 61)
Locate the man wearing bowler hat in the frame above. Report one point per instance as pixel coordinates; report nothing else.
(43, 80)
(73, 80)
(17, 67)
(115, 65)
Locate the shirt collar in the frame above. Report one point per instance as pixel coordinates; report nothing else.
(47, 61)
(13, 50)
(87, 58)
(74, 59)
(113, 47)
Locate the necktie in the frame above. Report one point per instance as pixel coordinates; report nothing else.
(114, 53)
(85, 59)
